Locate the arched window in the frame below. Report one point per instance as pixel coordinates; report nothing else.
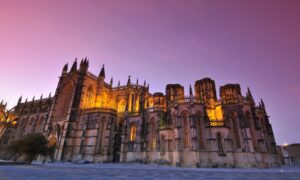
(199, 128)
(233, 117)
(89, 97)
(220, 144)
(101, 136)
(152, 135)
(132, 132)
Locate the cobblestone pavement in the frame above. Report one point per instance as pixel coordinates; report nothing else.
(139, 171)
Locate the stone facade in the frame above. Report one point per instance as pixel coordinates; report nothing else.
(89, 119)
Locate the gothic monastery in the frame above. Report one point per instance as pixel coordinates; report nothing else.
(89, 119)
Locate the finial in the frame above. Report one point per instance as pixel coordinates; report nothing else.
(262, 103)
(129, 81)
(65, 69)
(102, 72)
(111, 81)
(20, 100)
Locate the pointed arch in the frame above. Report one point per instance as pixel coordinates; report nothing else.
(132, 136)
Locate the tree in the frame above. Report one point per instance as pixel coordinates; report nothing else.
(7, 119)
(30, 146)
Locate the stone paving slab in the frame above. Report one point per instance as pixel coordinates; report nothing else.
(65, 171)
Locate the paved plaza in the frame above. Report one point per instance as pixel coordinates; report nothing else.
(139, 171)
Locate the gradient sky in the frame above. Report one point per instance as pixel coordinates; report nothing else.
(254, 43)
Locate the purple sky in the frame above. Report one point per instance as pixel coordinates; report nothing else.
(254, 43)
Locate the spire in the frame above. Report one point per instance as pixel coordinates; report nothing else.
(191, 91)
(119, 83)
(41, 97)
(128, 81)
(144, 83)
(137, 81)
(65, 69)
(26, 100)
(74, 66)
(148, 87)
(1, 102)
(249, 92)
(49, 95)
(249, 96)
(84, 65)
(102, 72)
(262, 103)
(20, 100)
(111, 82)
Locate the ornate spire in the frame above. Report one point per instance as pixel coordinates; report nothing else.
(74, 66)
(102, 72)
(128, 81)
(191, 91)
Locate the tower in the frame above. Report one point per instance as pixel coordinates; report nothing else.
(174, 92)
(205, 90)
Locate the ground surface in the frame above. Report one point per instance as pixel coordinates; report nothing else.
(139, 171)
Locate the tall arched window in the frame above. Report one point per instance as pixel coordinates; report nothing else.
(101, 135)
(235, 129)
(186, 130)
(152, 135)
(132, 132)
(220, 144)
(199, 129)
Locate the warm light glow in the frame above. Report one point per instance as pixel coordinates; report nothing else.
(215, 116)
(132, 132)
(121, 106)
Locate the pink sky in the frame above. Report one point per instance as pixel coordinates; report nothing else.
(254, 43)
